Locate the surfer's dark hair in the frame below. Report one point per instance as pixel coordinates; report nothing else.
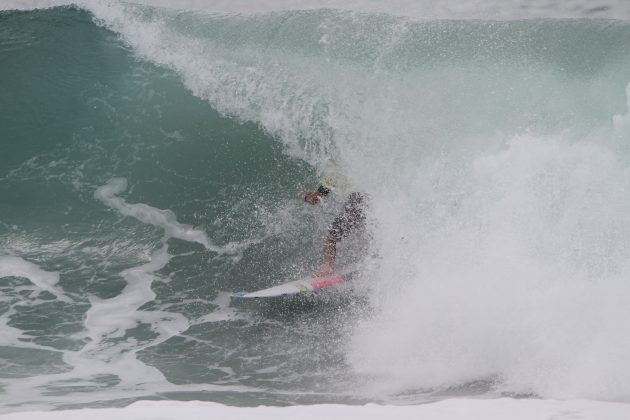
(323, 190)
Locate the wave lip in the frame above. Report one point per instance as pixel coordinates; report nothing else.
(426, 9)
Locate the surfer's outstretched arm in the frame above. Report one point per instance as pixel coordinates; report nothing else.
(314, 197)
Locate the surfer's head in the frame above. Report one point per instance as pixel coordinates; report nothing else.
(323, 190)
(325, 187)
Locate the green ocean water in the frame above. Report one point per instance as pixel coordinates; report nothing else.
(74, 119)
(152, 159)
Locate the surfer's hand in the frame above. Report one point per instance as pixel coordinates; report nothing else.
(311, 197)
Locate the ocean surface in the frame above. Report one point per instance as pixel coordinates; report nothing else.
(151, 157)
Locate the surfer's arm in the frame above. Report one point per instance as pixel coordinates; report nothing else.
(314, 197)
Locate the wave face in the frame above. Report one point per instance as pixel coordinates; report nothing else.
(150, 163)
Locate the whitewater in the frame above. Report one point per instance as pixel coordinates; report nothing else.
(151, 156)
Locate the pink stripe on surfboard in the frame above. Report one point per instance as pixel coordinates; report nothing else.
(320, 283)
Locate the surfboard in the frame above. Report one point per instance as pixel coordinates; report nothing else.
(307, 284)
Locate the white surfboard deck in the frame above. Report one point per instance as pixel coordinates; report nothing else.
(308, 284)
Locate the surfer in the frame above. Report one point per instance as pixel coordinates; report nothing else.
(351, 219)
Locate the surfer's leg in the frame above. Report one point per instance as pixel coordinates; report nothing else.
(330, 252)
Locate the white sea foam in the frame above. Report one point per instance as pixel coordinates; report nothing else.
(108, 351)
(224, 312)
(106, 320)
(621, 122)
(454, 409)
(164, 219)
(44, 280)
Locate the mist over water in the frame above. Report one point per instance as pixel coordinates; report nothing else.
(495, 154)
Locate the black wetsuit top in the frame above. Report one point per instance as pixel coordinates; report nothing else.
(351, 219)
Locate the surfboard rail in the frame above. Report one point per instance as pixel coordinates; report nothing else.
(294, 287)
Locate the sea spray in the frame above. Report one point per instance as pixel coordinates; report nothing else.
(517, 280)
(486, 147)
